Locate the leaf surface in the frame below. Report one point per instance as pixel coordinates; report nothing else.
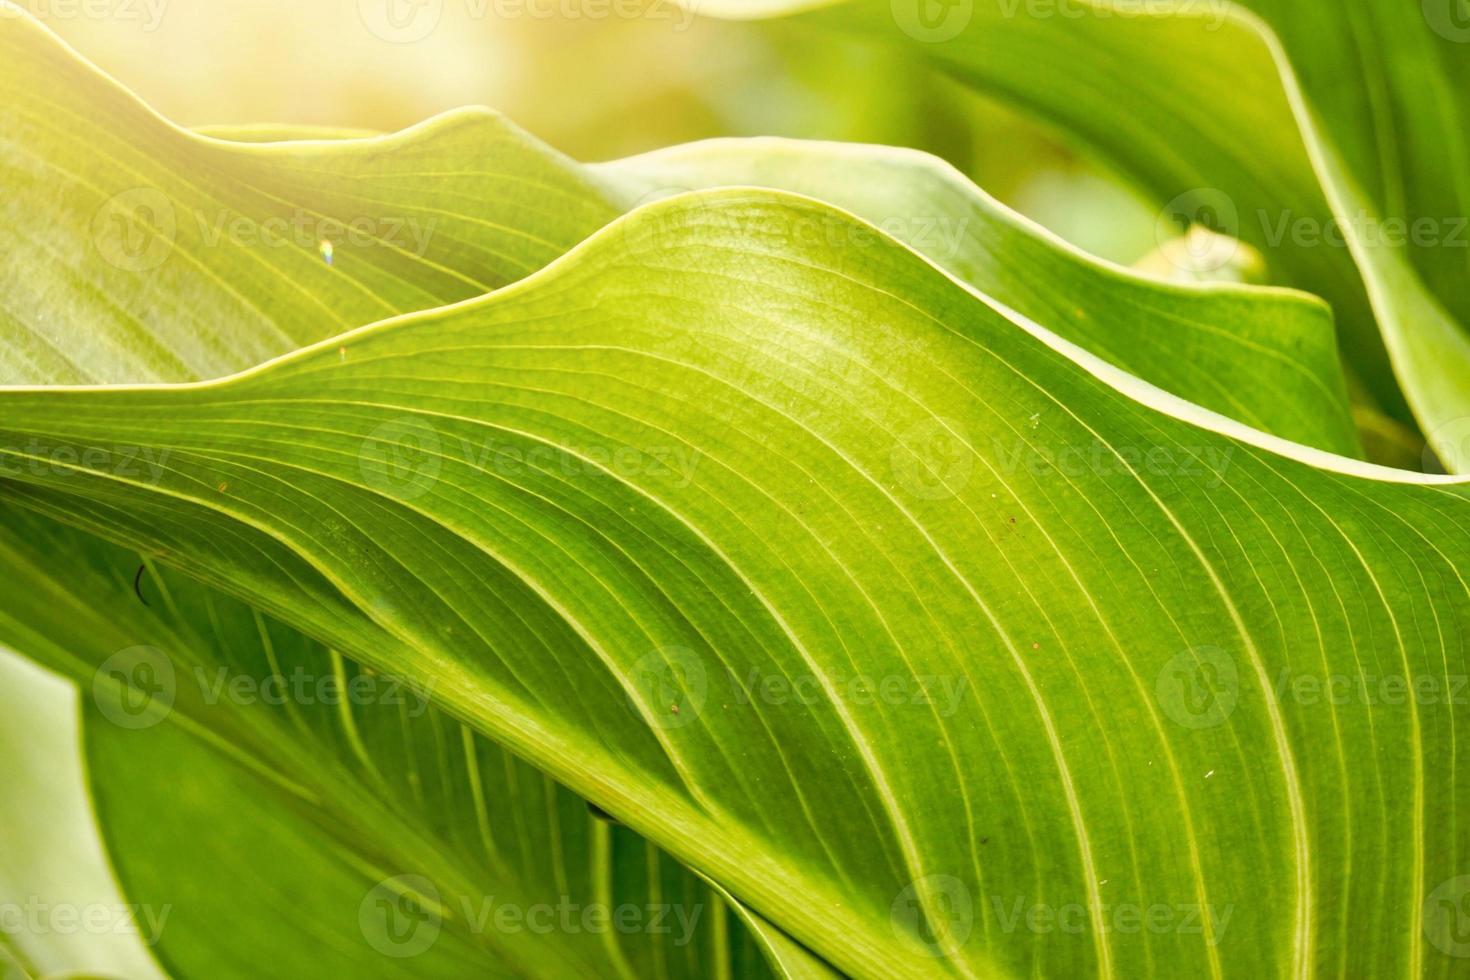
(1330, 137)
(894, 481)
(188, 257)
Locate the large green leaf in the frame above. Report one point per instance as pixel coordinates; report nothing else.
(838, 537)
(75, 609)
(313, 782)
(894, 479)
(188, 257)
(1330, 136)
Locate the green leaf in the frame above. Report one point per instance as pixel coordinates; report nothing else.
(1331, 137)
(1111, 598)
(315, 782)
(188, 258)
(865, 431)
(77, 609)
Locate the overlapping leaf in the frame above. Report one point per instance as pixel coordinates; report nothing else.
(188, 258)
(1331, 137)
(939, 643)
(894, 481)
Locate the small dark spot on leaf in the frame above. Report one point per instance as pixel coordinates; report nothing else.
(138, 584)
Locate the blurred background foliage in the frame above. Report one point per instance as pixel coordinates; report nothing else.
(596, 87)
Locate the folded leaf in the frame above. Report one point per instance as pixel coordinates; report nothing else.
(905, 621)
(189, 257)
(312, 779)
(1331, 137)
